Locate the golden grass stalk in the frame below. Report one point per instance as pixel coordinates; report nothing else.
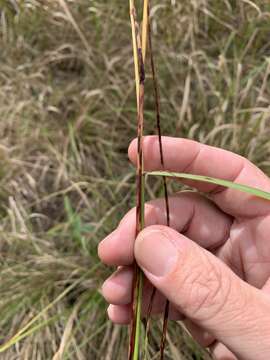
(135, 47)
(138, 275)
(145, 28)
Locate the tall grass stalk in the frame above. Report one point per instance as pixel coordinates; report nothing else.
(139, 54)
(145, 28)
(158, 126)
(135, 47)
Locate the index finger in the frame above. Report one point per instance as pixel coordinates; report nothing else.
(183, 155)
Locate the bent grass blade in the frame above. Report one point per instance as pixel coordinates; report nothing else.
(211, 180)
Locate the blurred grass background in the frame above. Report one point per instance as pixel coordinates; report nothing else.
(67, 115)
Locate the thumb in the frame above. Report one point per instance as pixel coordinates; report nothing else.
(206, 291)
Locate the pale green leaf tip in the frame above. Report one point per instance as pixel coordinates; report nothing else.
(221, 182)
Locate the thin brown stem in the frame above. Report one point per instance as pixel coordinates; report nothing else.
(164, 329)
(158, 124)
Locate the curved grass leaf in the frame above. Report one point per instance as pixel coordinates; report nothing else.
(225, 183)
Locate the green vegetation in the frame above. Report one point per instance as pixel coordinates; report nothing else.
(67, 115)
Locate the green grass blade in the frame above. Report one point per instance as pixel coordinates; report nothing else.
(138, 318)
(228, 184)
(33, 329)
(30, 327)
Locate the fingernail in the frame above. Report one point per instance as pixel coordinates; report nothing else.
(155, 252)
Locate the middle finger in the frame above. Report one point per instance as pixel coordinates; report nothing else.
(190, 213)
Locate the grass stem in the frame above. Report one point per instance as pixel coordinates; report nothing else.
(138, 275)
(158, 125)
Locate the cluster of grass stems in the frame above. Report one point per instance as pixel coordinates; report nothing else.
(140, 37)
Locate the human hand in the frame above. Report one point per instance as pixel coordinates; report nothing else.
(213, 264)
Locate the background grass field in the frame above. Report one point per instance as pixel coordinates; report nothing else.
(67, 115)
